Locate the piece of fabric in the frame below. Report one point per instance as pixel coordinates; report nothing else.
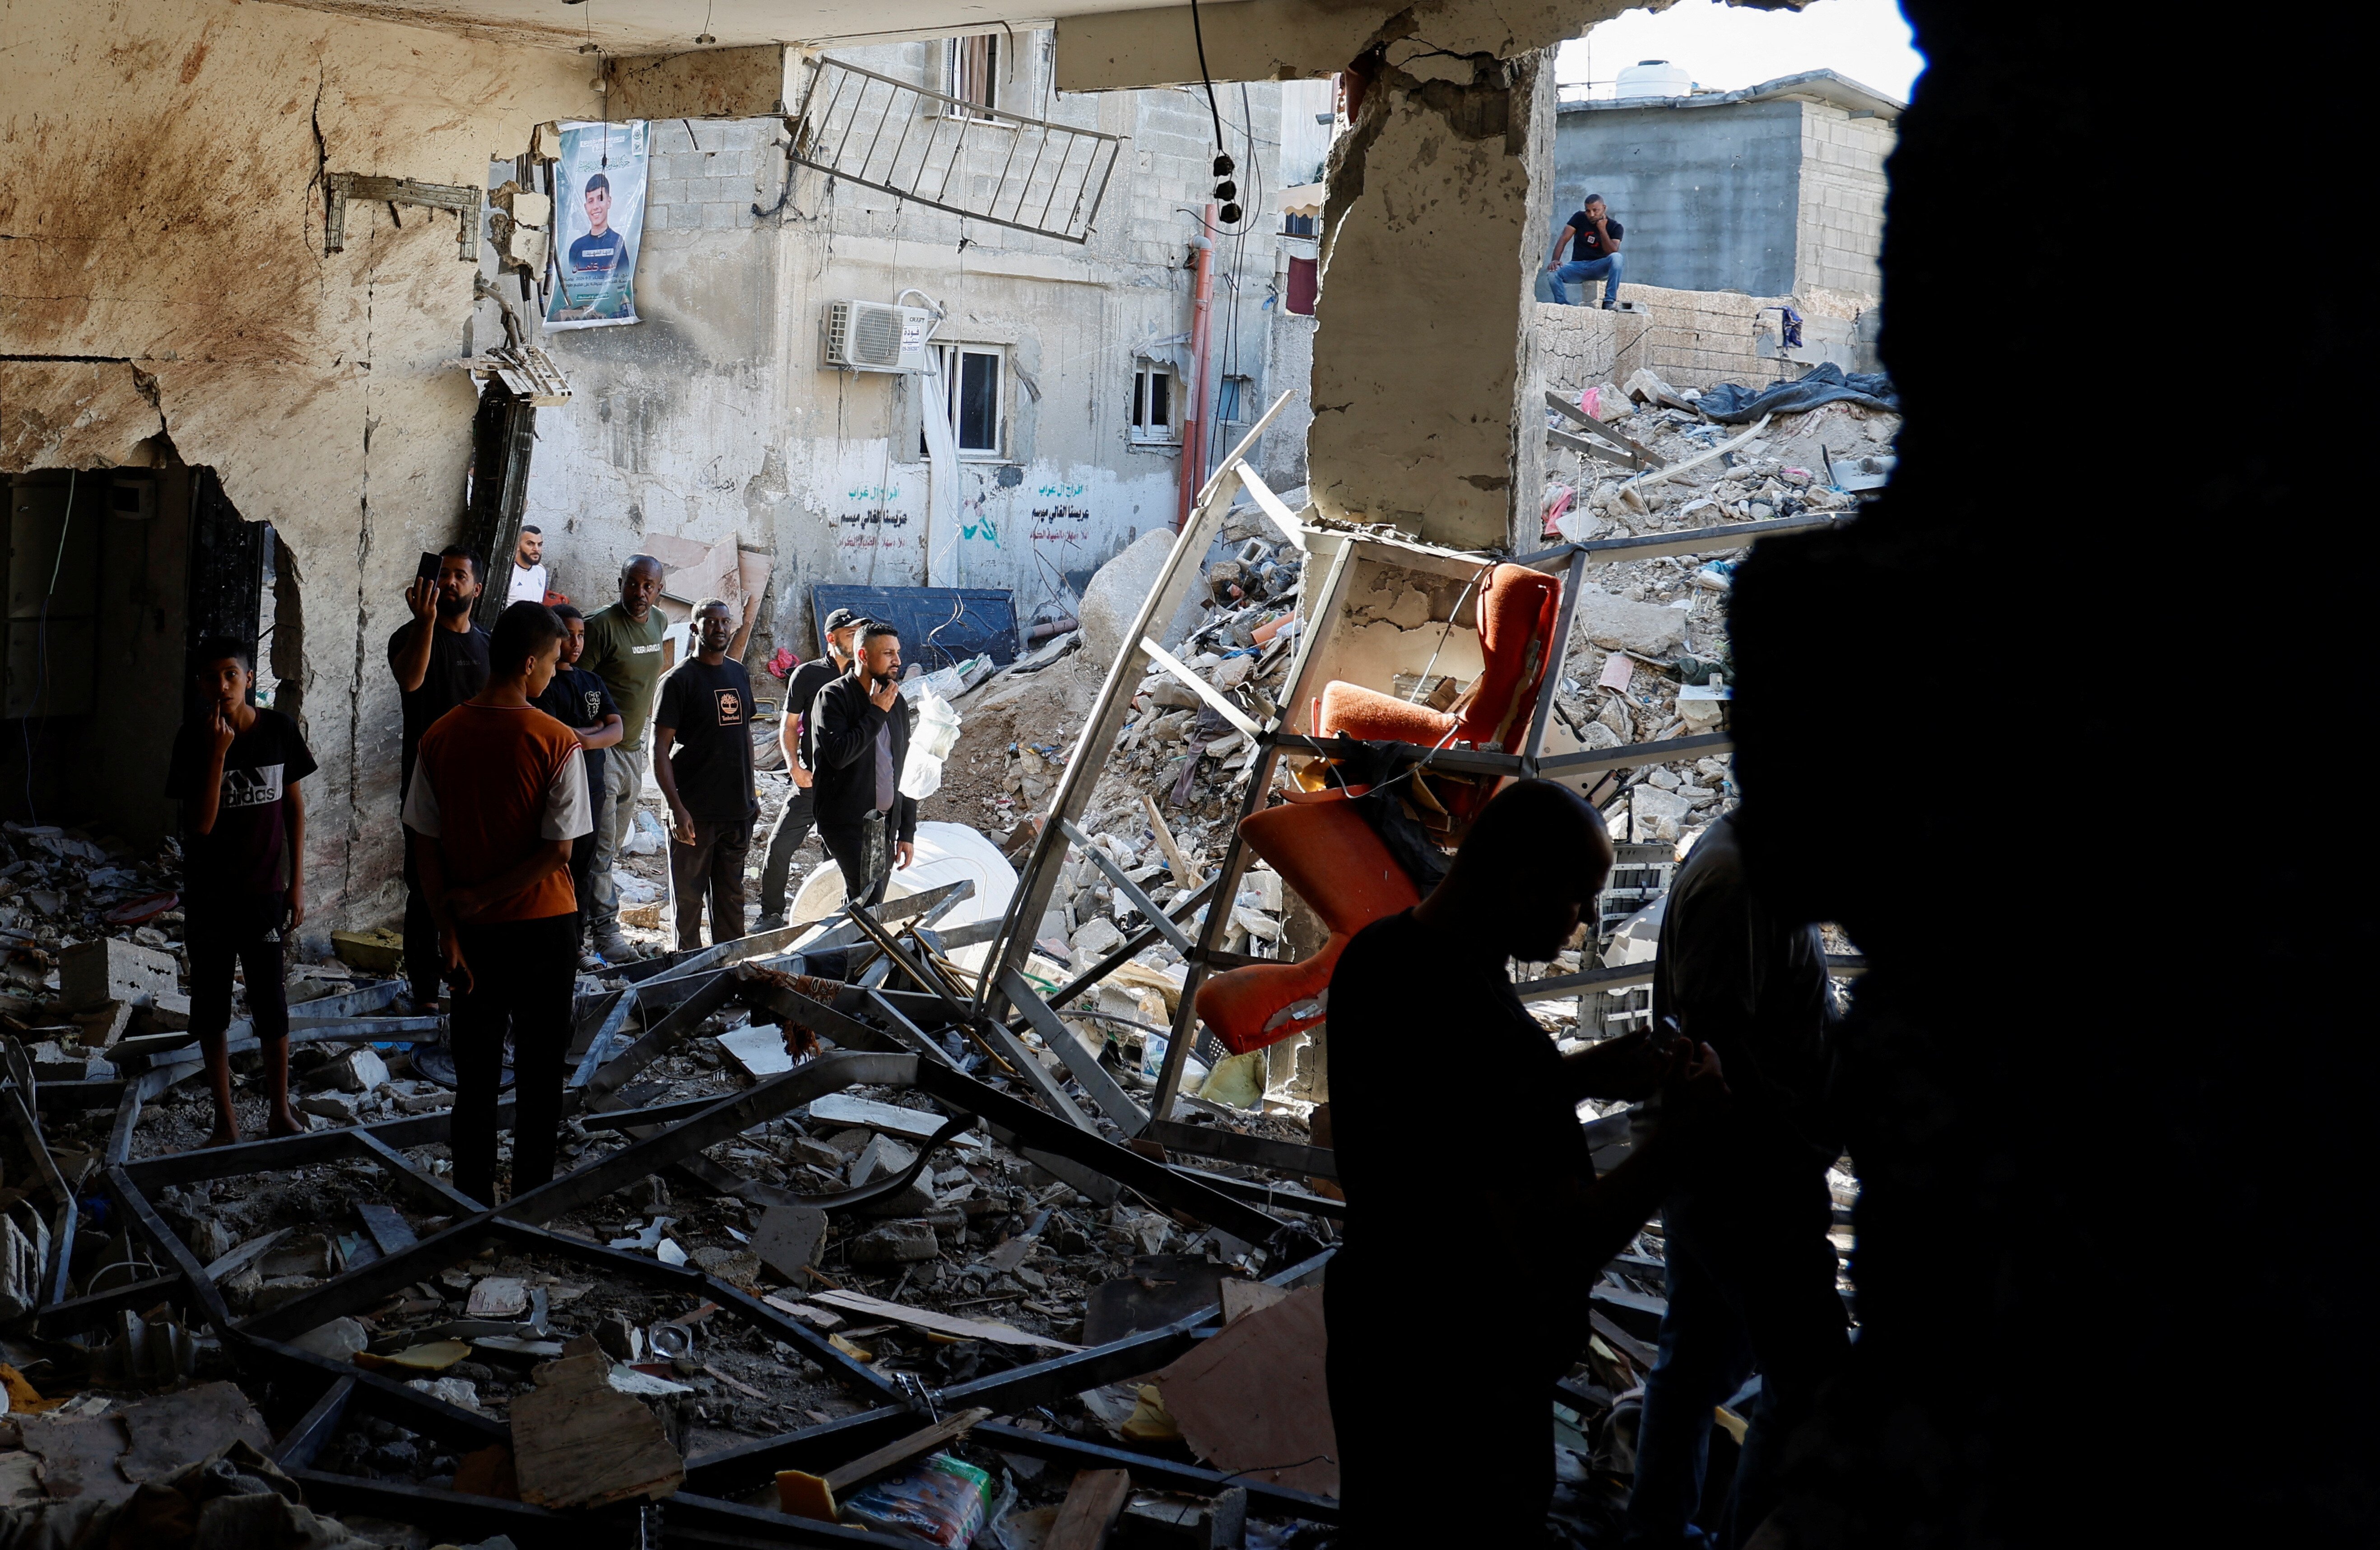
(527, 584)
(626, 654)
(708, 709)
(244, 931)
(1588, 243)
(843, 745)
(712, 868)
(523, 973)
(1731, 403)
(1753, 987)
(623, 782)
(247, 851)
(580, 700)
(1751, 1283)
(786, 837)
(458, 669)
(859, 848)
(495, 784)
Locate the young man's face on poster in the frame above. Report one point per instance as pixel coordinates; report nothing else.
(599, 209)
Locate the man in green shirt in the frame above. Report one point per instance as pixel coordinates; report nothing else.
(626, 648)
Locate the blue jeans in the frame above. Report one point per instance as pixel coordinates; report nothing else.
(1606, 269)
(1752, 1285)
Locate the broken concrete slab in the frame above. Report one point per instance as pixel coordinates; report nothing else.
(107, 968)
(1616, 624)
(787, 1239)
(358, 1070)
(895, 1243)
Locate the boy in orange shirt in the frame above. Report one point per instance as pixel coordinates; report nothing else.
(498, 793)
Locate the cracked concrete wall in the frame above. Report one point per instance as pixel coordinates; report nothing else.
(1427, 262)
(162, 282)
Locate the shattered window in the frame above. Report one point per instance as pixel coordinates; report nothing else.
(1152, 405)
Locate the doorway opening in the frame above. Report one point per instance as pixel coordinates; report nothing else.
(112, 575)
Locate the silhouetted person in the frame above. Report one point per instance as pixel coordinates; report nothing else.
(236, 771)
(1750, 1269)
(860, 736)
(702, 759)
(439, 659)
(1413, 992)
(499, 797)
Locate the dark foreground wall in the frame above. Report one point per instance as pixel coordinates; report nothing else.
(2113, 1070)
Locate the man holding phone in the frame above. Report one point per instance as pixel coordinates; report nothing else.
(439, 659)
(858, 744)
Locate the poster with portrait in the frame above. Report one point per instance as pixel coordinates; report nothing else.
(598, 217)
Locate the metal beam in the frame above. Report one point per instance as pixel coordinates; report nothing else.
(1131, 890)
(1097, 1082)
(1692, 541)
(1255, 1152)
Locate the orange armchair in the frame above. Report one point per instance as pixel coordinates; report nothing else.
(1324, 851)
(1517, 610)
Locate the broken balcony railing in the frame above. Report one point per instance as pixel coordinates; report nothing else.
(951, 154)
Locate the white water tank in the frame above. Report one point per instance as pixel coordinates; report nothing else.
(1653, 78)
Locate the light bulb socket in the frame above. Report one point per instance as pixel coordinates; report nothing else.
(1224, 164)
(1231, 214)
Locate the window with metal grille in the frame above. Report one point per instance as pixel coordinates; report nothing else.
(972, 71)
(1154, 416)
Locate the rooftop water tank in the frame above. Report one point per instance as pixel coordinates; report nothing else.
(1655, 77)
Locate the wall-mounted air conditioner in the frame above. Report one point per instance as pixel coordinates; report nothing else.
(871, 337)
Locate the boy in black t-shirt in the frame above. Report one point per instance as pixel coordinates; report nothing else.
(583, 702)
(236, 772)
(706, 711)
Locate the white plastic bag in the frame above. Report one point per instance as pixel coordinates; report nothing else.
(930, 741)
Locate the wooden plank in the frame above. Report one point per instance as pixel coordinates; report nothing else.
(1594, 449)
(1578, 415)
(1200, 686)
(1272, 505)
(803, 1494)
(1094, 1502)
(1670, 471)
(939, 1324)
(578, 1442)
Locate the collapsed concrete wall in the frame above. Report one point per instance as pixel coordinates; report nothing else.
(165, 293)
(1698, 338)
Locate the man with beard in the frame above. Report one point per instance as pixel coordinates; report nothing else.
(439, 659)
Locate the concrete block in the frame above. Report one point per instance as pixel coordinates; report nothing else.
(167, 1012)
(894, 1243)
(787, 1239)
(103, 1025)
(106, 970)
(880, 1157)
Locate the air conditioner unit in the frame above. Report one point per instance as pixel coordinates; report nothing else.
(871, 337)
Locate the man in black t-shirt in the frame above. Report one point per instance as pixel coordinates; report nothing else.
(705, 715)
(235, 773)
(439, 659)
(583, 702)
(793, 822)
(1593, 238)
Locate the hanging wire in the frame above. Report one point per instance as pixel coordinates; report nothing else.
(1199, 33)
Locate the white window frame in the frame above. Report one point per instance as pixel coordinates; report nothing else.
(949, 360)
(953, 53)
(1138, 427)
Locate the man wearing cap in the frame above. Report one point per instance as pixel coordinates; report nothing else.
(793, 823)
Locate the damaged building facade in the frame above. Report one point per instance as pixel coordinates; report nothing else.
(853, 1209)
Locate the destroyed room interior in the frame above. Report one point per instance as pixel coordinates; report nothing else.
(1254, 775)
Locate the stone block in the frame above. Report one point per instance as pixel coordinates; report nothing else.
(894, 1243)
(359, 1070)
(882, 1157)
(787, 1239)
(103, 1025)
(167, 1012)
(1615, 623)
(108, 969)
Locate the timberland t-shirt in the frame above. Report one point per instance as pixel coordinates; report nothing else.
(626, 655)
(492, 785)
(1589, 243)
(708, 713)
(248, 850)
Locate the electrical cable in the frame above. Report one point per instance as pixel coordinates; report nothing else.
(1199, 33)
(42, 646)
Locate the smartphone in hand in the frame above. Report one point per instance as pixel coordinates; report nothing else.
(426, 568)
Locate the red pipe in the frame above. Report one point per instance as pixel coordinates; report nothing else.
(1194, 392)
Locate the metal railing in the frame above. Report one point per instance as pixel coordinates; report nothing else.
(940, 151)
